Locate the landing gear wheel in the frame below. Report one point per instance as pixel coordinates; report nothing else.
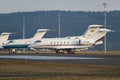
(59, 51)
(71, 52)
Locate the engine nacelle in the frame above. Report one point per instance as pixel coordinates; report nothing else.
(99, 42)
(86, 42)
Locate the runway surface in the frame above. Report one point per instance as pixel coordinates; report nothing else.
(112, 60)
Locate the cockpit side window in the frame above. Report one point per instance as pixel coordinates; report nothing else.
(38, 41)
(10, 41)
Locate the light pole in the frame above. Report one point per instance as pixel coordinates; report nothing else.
(23, 27)
(23, 30)
(105, 5)
(59, 29)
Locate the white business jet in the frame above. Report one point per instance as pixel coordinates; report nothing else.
(23, 43)
(93, 36)
(4, 38)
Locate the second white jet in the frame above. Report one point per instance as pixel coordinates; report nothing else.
(92, 37)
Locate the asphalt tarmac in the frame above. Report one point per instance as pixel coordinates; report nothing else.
(109, 60)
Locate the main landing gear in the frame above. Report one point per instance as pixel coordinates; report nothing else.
(69, 51)
(12, 51)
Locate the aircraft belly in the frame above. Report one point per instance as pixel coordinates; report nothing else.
(55, 46)
(63, 46)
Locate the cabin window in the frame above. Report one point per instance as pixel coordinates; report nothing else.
(79, 41)
(68, 37)
(68, 42)
(60, 42)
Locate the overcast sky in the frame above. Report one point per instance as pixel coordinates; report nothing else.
(8, 6)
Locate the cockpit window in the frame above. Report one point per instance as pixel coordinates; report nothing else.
(38, 41)
(11, 41)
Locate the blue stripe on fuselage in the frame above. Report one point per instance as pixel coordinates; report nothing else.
(16, 46)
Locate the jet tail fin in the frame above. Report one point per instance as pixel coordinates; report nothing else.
(100, 34)
(92, 29)
(97, 38)
(95, 34)
(40, 33)
(4, 36)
